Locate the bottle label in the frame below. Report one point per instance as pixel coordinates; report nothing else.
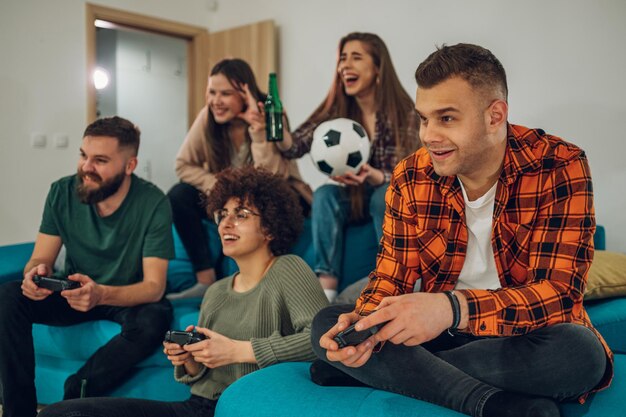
(273, 126)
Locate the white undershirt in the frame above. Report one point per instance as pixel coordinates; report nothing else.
(479, 270)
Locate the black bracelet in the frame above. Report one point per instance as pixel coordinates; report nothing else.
(456, 310)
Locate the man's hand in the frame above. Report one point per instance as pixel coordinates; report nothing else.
(86, 297)
(413, 318)
(30, 289)
(218, 350)
(352, 356)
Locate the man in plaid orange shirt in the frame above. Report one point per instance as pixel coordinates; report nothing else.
(492, 225)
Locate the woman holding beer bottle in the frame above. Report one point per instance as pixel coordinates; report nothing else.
(228, 132)
(365, 89)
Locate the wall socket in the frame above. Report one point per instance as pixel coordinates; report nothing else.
(38, 140)
(61, 140)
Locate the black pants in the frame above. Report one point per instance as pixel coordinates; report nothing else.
(461, 372)
(131, 407)
(188, 211)
(143, 327)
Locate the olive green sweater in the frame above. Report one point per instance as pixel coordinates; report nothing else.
(275, 316)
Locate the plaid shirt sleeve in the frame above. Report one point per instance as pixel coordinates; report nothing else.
(302, 139)
(398, 261)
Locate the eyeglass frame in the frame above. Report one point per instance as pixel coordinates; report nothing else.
(237, 210)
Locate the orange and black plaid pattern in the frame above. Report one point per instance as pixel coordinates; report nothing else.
(543, 226)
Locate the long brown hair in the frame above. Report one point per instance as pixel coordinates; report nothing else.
(220, 148)
(393, 102)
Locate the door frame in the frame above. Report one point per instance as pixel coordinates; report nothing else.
(197, 51)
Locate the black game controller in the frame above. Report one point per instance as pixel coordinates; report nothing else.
(55, 284)
(181, 337)
(351, 337)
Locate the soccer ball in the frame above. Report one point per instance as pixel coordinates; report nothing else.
(340, 146)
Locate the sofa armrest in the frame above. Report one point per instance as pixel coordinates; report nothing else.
(12, 260)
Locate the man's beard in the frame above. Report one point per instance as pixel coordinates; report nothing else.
(104, 191)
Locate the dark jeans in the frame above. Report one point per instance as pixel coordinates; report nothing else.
(461, 372)
(143, 327)
(131, 407)
(188, 211)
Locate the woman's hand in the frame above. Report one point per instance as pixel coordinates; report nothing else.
(175, 352)
(218, 350)
(253, 115)
(367, 173)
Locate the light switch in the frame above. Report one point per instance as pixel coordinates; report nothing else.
(38, 140)
(61, 140)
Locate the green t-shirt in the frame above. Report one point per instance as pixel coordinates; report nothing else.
(110, 249)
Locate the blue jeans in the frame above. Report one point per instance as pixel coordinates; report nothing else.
(461, 372)
(130, 407)
(330, 215)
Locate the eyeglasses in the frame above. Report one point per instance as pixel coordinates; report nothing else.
(240, 215)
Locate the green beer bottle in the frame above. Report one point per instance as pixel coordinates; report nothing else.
(273, 112)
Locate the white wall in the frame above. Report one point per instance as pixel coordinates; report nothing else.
(564, 59)
(565, 63)
(42, 89)
(154, 96)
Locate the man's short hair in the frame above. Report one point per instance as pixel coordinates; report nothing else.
(126, 133)
(473, 63)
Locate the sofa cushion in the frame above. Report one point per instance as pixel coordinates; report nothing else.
(607, 276)
(599, 238)
(609, 318)
(286, 390)
(80, 341)
(12, 260)
(150, 382)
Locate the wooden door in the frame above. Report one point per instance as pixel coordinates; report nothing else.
(197, 46)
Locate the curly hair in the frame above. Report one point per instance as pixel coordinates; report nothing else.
(269, 194)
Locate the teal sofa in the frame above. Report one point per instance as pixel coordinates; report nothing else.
(60, 351)
(284, 389)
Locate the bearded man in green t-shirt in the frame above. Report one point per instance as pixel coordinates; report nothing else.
(116, 229)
